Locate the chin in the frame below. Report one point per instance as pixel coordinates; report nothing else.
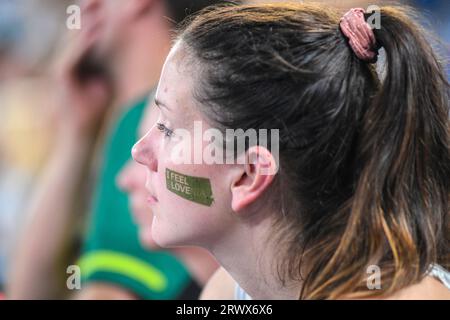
(145, 235)
(166, 243)
(166, 235)
(167, 240)
(149, 244)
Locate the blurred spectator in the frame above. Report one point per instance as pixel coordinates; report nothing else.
(28, 33)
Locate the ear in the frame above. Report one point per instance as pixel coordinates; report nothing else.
(256, 175)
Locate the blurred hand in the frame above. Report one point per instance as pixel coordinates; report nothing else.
(82, 92)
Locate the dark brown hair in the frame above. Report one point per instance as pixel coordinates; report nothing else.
(364, 173)
(178, 10)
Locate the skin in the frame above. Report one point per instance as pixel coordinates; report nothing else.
(236, 228)
(132, 180)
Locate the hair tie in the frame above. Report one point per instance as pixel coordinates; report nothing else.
(360, 35)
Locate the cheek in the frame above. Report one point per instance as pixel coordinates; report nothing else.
(214, 173)
(185, 214)
(183, 220)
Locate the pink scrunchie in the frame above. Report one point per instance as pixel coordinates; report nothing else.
(360, 34)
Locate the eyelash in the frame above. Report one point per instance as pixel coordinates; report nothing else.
(167, 132)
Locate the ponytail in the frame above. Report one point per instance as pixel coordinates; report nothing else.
(401, 200)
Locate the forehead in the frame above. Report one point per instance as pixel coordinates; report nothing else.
(149, 119)
(176, 83)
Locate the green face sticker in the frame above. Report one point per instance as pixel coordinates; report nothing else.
(191, 188)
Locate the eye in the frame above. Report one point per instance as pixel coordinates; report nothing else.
(167, 132)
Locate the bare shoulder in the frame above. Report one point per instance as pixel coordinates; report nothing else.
(428, 289)
(434, 289)
(219, 287)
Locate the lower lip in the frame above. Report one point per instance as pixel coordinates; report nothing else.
(152, 200)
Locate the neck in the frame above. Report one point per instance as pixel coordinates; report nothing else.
(250, 259)
(198, 261)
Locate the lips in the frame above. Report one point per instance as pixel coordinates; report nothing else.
(152, 200)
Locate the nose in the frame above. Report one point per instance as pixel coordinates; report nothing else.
(142, 153)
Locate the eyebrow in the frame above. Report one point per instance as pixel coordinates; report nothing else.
(160, 104)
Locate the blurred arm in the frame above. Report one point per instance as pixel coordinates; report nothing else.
(37, 270)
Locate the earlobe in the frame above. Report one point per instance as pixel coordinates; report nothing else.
(254, 179)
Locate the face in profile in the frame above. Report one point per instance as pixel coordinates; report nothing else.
(196, 203)
(178, 221)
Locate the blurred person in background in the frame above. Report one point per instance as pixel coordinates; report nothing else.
(104, 75)
(28, 33)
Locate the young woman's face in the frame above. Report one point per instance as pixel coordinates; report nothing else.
(191, 203)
